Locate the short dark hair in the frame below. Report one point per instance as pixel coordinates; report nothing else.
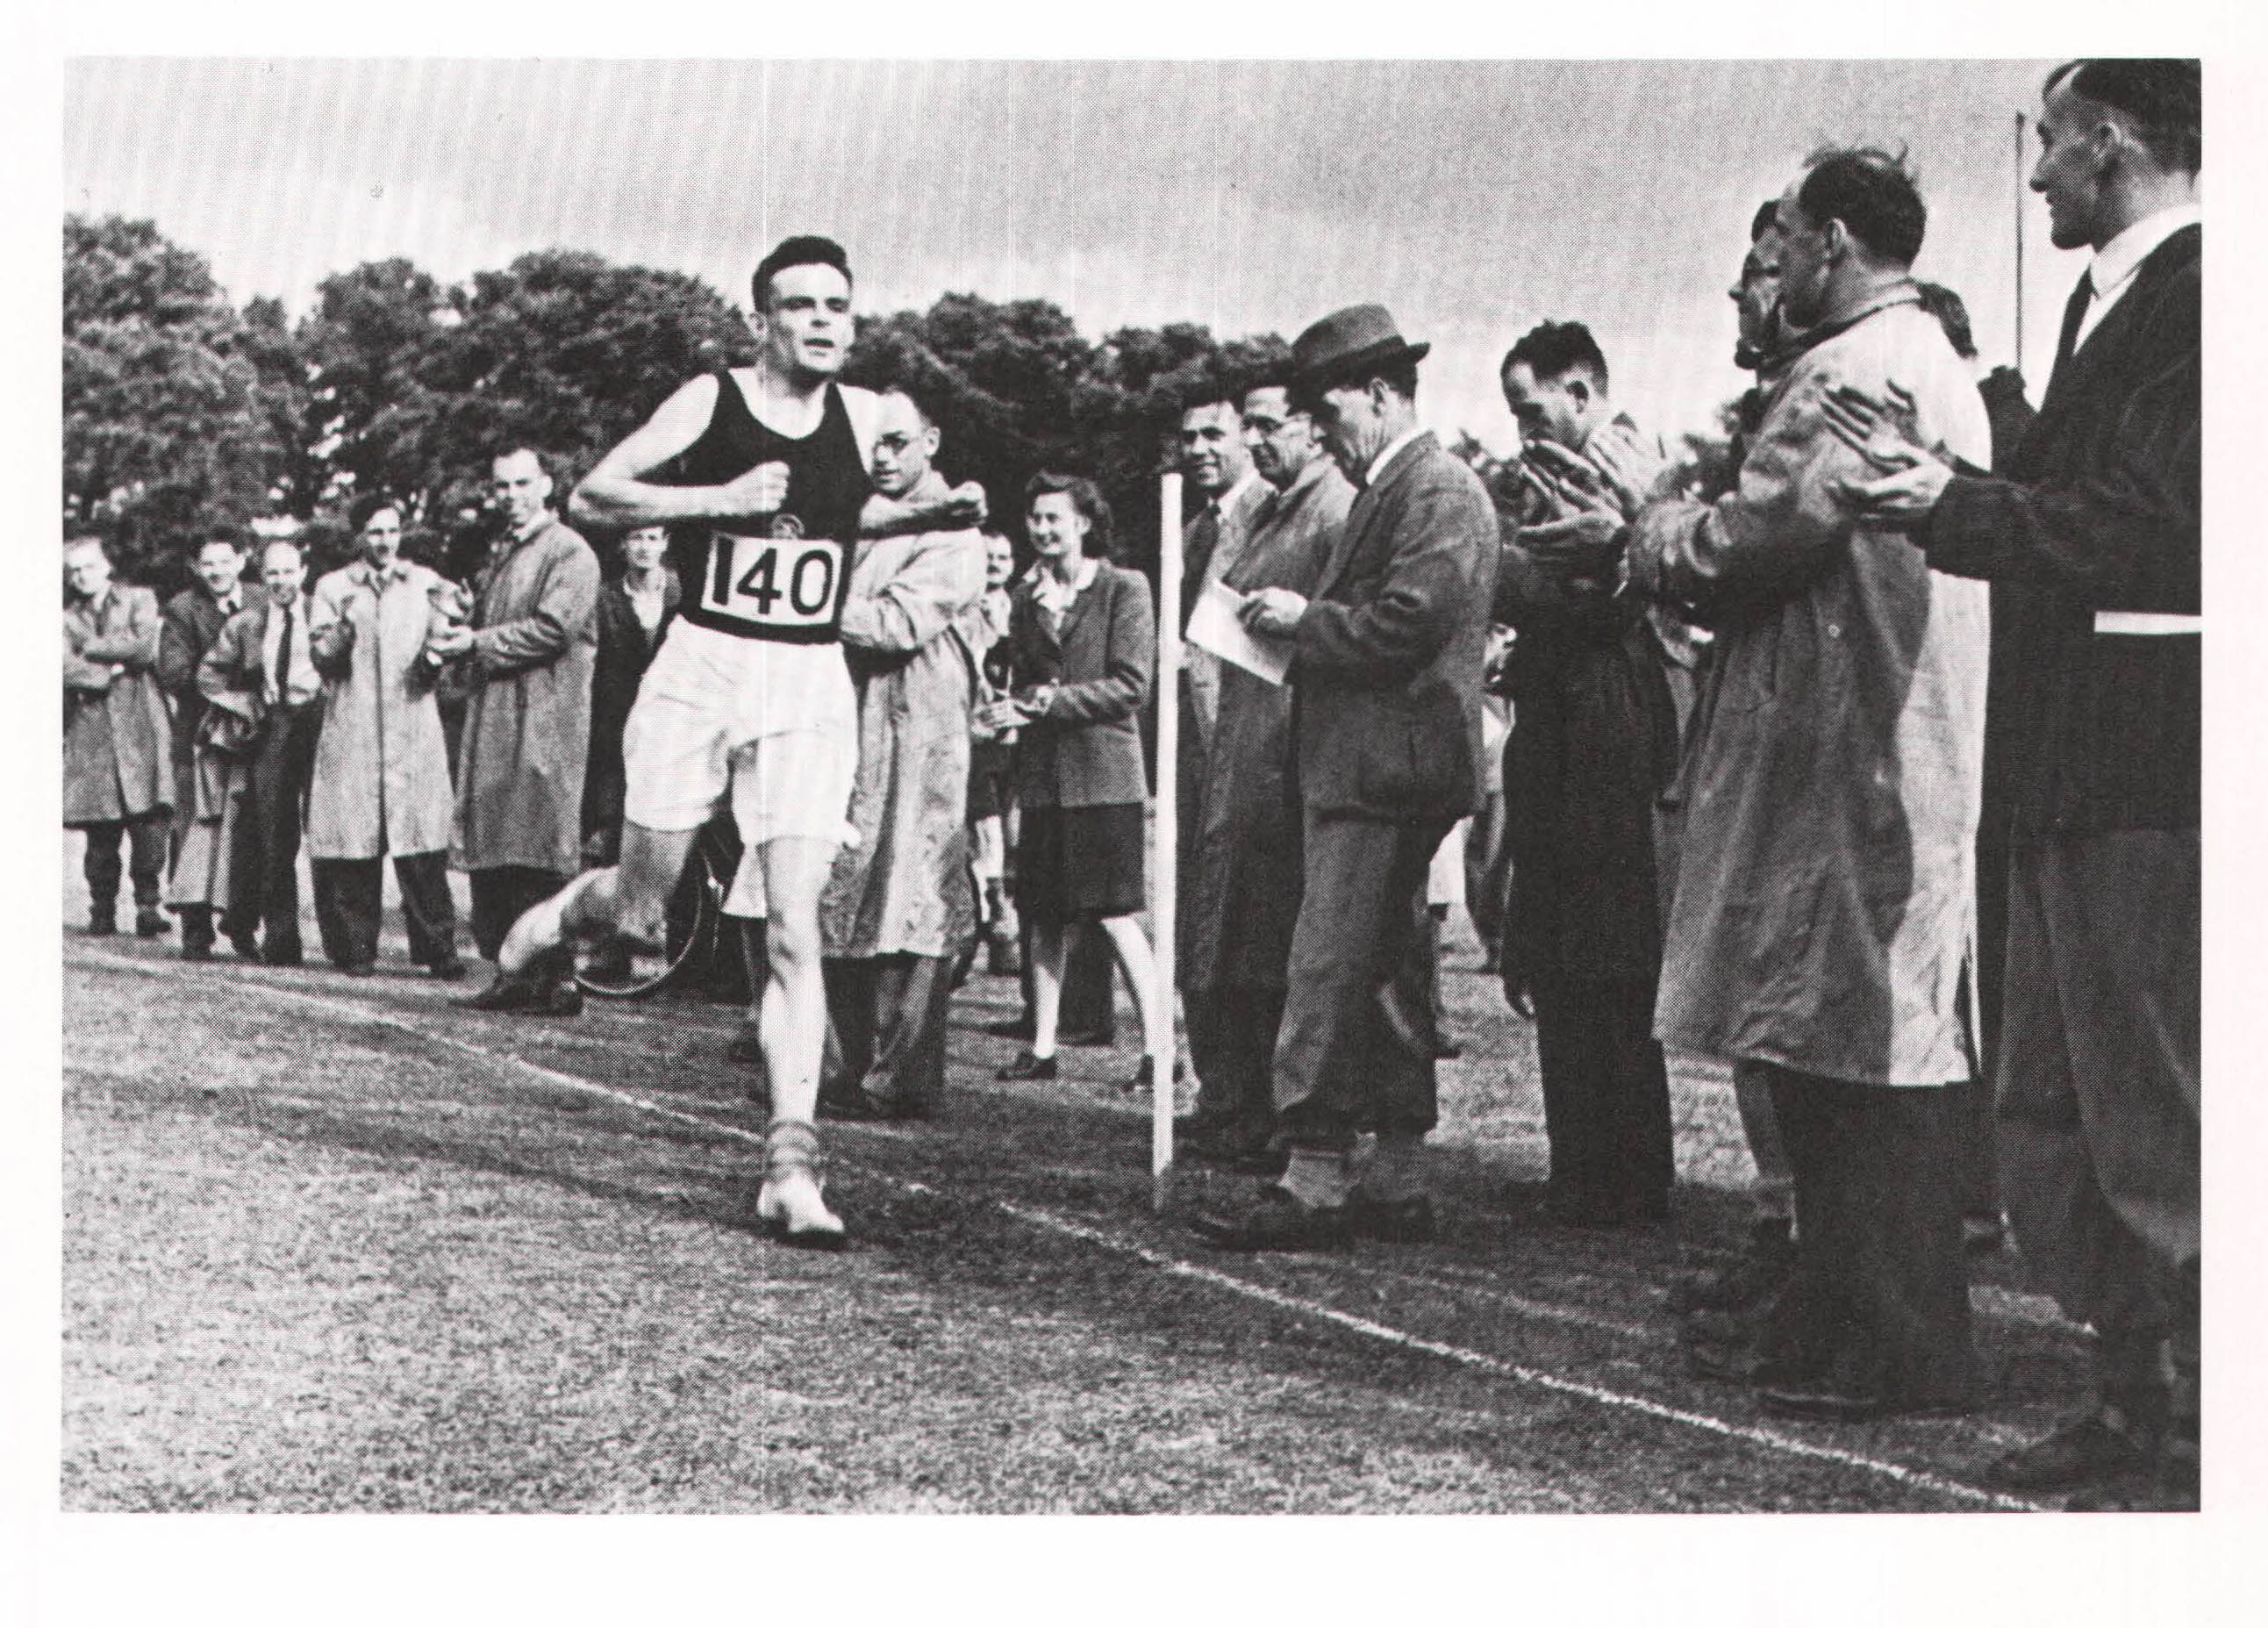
(1953, 316)
(1872, 192)
(226, 539)
(359, 512)
(914, 398)
(1086, 496)
(1553, 349)
(1765, 219)
(797, 251)
(545, 461)
(2164, 95)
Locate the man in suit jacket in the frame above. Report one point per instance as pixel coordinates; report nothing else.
(1387, 659)
(193, 618)
(2091, 536)
(265, 657)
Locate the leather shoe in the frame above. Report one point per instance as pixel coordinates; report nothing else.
(246, 947)
(1393, 1220)
(151, 925)
(447, 971)
(1275, 1220)
(506, 994)
(357, 968)
(1029, 1067)
(1742, 1284)
(562, 999)
(101, 925)
(2091, 1447)
(860, 1106)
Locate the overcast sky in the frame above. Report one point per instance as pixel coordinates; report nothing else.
(1474, 199)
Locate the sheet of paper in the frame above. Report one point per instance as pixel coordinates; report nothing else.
(1214, 626)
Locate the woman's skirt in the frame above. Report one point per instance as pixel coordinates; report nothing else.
(1080, 863)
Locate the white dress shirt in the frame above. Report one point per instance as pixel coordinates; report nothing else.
(2117, 262)
(302, 684)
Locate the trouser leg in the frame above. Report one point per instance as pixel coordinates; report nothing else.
(2099, 1092)
(280, 781)
(850, 983)
(1642, 1147)
(1233, 1029)
(347, 901)
(428, 913)
(1341, 1063)
(910, 993)
(102, 866)
(501, 894)
(1774, 1193)
(146, 839)
(1568, 1056)
(1879, 1303)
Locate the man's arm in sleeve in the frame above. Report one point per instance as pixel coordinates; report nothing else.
(79, 673)
(136, 648)
(1438, 552)
(565, 601)
(919, 600)
(177, 651)
(1125, 682)
(1772, 531)
(2125, 536)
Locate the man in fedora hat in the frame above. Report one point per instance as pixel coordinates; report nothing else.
(1386, 669)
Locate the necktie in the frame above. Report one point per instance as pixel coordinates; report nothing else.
(2074, 313)
(280, 682)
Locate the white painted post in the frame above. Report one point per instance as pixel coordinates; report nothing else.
(1168, 689)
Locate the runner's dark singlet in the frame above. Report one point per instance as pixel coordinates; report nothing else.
(785, 578)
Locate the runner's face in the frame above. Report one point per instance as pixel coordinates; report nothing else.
(1058, 530)
(807, 328)
(219, 566)
(381, 537)
(644, 546)
(904, 445)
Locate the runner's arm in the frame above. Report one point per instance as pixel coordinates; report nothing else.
(617, 494)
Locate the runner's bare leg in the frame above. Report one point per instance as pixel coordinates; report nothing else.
(631, 898)
(792, 1029)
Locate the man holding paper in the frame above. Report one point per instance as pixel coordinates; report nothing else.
(1386, 657)
(1243, 845)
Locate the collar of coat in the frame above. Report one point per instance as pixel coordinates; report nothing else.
(1901, 292)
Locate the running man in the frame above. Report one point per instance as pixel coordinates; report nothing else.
(760, 473)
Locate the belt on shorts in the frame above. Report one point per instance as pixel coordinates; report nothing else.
(2147, 624)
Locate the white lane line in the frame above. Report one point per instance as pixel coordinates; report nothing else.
(1064, 1226)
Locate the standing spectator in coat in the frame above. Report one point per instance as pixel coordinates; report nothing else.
(1594, 740)
(2093, 529)
(262, 668)
(1237, 918)
(634, 612)
(380, 784)
(1823, 925)
(193, 620)
(525, 664)
(900, 904)
(991, 767)
(1083, 638)
(1385, 658)
(116, 757)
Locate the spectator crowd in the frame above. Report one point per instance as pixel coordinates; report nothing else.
(1869, 766)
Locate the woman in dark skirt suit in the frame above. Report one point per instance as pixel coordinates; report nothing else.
(1083, 648)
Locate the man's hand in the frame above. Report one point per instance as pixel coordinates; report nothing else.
(758, 494)
(1631, 465)
(1898, 501)
(449, 641)
(1569, 480)
(1881, 432)
(964, 506)
(1272, 613)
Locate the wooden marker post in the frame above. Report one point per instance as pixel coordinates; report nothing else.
(1163, 901)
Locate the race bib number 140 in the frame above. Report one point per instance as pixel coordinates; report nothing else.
(786, 584)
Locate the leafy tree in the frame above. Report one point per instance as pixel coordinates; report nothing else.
(177, 413)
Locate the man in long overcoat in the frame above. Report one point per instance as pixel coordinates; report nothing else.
(116, 772)
(2091, 536)
(1385, 658)
(525, 661)
(1822, 931)
(900, 903)
(193, 619)
(1237, 917)
(381, 777)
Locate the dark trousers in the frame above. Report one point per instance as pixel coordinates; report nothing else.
(885, 1027)
(501, 894)
(146, 835)
(1879, 1303)
(1488, 871)
(348, 900)
(1233, 1029)
(1606, 1093)
(1355, 1049)
(2098, 1095)
(265, 866)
